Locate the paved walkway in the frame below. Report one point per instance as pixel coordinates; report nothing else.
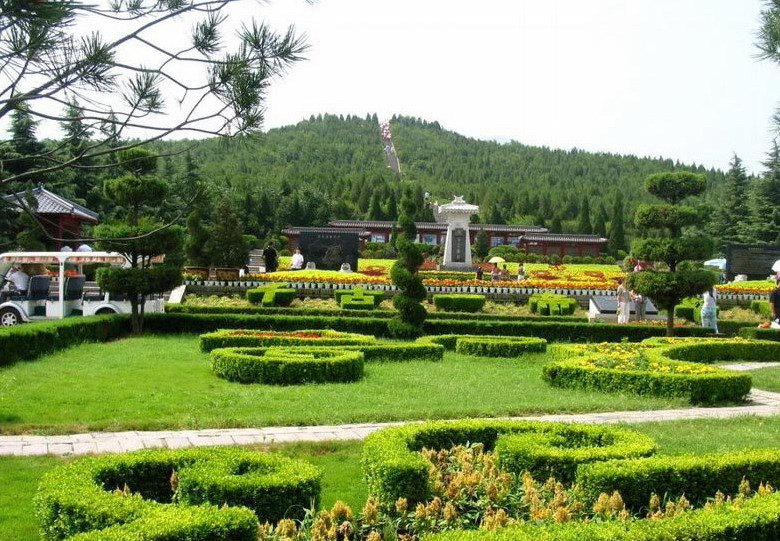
(761, 403)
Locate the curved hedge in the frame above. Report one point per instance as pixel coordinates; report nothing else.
(220, 495)
(698, 477)
(656, 375)
(394, 468)
(500, 346)
(760, 334)
(287, 365)
(234, 338)
(459, 303)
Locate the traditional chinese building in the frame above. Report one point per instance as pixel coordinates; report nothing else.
(532, 238)
(62, 219)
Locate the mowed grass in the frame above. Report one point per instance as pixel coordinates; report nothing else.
(767, 379)
(343, 478)
(166, 382)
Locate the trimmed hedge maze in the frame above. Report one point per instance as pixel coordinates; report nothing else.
(229, 338)
(206, 494)
(271, 295)
(661, 367)
(394, 468)
(459, 303)
(600, 461)
(488, 346)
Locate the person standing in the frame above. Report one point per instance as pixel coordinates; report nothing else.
(623, 297)
(297, 260)
(774, 302)
(709, 310)
(639, 305)
(480, 273)
(271, 258)
(495, 273)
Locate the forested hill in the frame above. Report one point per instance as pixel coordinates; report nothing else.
(335, 167)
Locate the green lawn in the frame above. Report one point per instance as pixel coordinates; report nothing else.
(767, 379)
(165, 382)
(342, 476)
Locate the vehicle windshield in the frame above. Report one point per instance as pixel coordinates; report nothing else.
(4, 268)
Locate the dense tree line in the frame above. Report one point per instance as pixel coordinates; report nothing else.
(334, 167)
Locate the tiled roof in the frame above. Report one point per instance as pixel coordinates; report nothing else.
(292, 230)
(51, 203)
(435, 226)
(555, 237)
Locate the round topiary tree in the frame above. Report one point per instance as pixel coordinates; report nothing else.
(673, 245)
(411, 314)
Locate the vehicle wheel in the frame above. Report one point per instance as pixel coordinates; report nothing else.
(104, 311)
(9, 317)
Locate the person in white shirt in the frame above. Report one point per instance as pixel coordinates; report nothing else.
(297, 260)
(623, 303)
(709, 310)
(20, 280)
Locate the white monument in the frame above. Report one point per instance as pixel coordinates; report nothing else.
(457, 248)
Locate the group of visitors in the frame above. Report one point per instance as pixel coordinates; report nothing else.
(271, 257)
(624, 299)
(500, 274)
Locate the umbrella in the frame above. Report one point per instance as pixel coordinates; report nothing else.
(720, 263)
(776, 266)
(496, 259)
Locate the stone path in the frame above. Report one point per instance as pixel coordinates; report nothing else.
(761, 403)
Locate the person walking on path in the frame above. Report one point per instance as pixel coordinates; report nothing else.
(774, 302)
(623, 303)
(271, 258)
(709, 310)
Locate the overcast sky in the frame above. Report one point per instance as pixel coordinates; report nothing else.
(673, 78)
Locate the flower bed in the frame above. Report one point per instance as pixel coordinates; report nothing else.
(226, 338)
(217, 493)
(650, 369)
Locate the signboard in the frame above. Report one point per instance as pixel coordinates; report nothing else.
(754, 260)
(329, 250)
(458, 245)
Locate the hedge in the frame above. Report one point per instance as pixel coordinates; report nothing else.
(500, 346)
(760, 334)
(698, 477)
(394, 468)
(761, 307)
(287, 365)
(552, 304)
(487, 346)
(376, 297)
(724, 350)
(229, 338)
(272, 295)
(755, 519)
(690, 309)
(459, 303)
(221, 495)
(707, 388)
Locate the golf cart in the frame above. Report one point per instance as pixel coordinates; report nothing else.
(38, 304)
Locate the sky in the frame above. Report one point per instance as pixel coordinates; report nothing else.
(672, 78)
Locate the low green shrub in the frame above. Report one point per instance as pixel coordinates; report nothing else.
(376, 297)
(552, 304)
(500, 346)
(761, 307)
(459, 303)
(272, 295)
(645, 369)
(754, 519)
(706, 351)
(204, 494)
(697, 477)
(228, 338)
(755, 333)
(394, 468)
(350, 302)
(287, 365)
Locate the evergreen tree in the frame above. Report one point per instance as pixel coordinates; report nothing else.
(617, 236)
(375, 211)
(392, 207)
(227, 246)
(730, 224)
(583, 225)
(600, 225)
(765, 200)
(481, 245)
(411, 313)
(556, 226)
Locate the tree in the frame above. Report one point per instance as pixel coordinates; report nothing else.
(411, 314)
(672, 247)
(600, 225)
(617, 236)
(227, 246)
(129, 83)
(729, 223)
(765, 201)
(481, 245)
(139, 238)
(583, 224)
(768, 42)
